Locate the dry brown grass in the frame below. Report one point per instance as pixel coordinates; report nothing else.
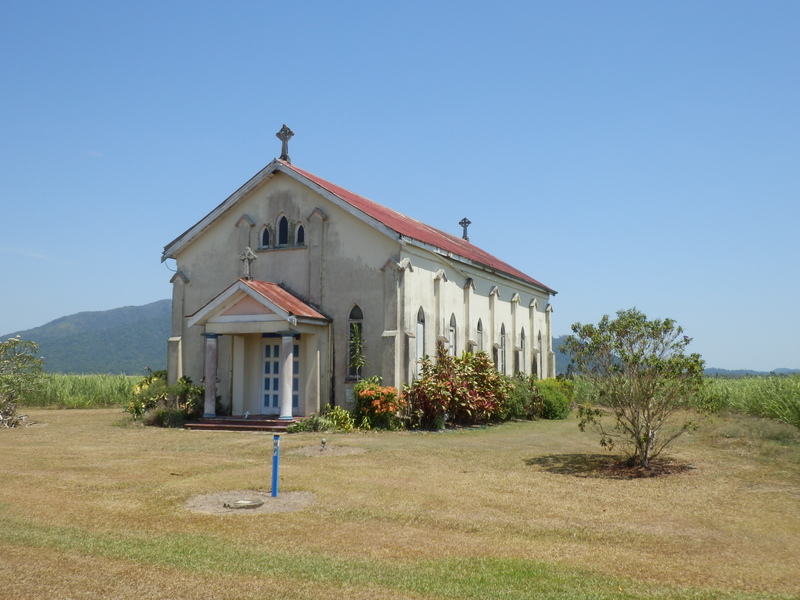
(82, 500)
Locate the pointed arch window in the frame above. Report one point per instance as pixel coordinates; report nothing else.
(537, 355)
(451, 336)
(283, 232)
(265, 238)
(420, 334)
(355, 343)
(519, 359)
(300, 236)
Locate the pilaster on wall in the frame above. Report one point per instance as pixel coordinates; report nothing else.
(315, 239)
(494, 294)
(469, 290)
(438, 317)
(392, 326)
(406, 325)
(175, 368)
(548, 339)
(514, 331)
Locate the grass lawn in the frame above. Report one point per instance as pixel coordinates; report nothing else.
(93, 510)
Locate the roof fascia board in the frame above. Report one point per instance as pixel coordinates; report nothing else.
(275, 166)
(341, 203)
(441, 253)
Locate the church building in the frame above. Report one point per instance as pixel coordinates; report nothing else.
(294, 288)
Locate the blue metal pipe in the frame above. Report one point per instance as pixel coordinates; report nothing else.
(276, 460)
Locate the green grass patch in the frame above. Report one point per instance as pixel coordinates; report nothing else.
(773, 397)
(509, 511)
(457, 578)
(83, 391)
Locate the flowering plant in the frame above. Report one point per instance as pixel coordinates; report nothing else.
(456, 390)
(378, 406)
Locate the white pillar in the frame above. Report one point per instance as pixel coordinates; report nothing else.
(210, 371)
(287, 362)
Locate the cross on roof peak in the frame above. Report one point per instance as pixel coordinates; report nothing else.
(465, 222)
(284, 135)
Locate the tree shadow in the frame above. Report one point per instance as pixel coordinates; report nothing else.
(603, 466)
(577, 465)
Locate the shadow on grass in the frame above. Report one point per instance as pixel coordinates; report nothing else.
(577, 465)
(603, 466)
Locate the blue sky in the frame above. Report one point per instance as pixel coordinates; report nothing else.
(623, 153)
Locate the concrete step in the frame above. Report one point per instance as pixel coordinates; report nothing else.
(253, 423)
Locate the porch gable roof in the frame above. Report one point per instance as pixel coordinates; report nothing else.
(276, 303)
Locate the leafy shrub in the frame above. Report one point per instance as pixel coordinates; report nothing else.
(340, 419)
(164, 417)
(20, 377)
(153, 392)
(555, 403)
(328, 419)
(377, 406)
(524, 400)
(462, 390)
(313, 422)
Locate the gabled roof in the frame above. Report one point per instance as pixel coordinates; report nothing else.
(274, 299)
(405, 227)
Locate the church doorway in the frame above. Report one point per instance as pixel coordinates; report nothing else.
(271, 382)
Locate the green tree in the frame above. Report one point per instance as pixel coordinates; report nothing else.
(20, 376)
(639, 370)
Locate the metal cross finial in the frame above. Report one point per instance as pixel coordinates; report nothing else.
(247, 257)
(465, 222)
(284, 135)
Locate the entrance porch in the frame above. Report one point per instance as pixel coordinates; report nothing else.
(276, 347)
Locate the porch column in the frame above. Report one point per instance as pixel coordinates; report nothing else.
(287, 362)
(210, 372)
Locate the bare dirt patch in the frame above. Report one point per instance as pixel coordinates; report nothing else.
(225, 503)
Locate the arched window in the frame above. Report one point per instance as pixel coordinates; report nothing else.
(480, 336)
(283, 231)
(265, 238)
(420, 334)
(355, 343)
(519, 359)
(300, 236)
(451, 336)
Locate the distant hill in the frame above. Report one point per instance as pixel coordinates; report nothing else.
(133, 338)
(562, 360)
(123, 340)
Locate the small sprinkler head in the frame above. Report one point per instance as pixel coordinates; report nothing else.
(322, 445)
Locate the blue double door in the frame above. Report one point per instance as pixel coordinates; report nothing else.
(271, 396)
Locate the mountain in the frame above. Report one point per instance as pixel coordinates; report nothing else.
(562, 360)
(122, 340)
(133, 338)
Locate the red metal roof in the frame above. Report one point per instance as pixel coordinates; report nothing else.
(283, 299)
(413, 229)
